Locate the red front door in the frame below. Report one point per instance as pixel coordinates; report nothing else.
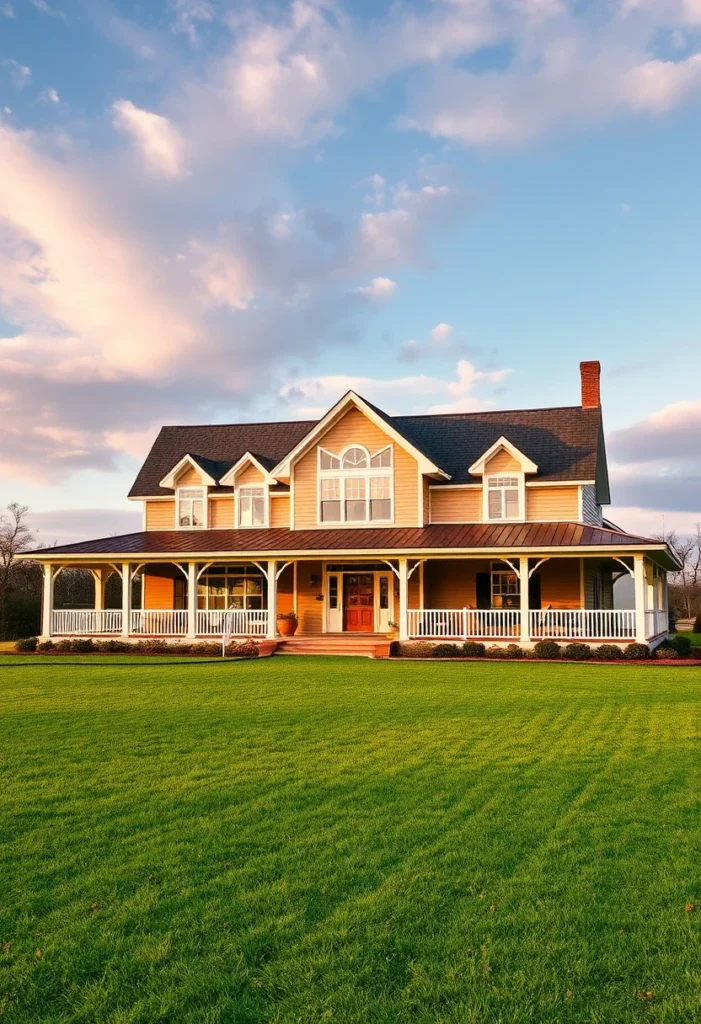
(359, 603)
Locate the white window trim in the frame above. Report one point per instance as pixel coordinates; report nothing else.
(205, 506)
(343, 474)
(266, 507)
(521, 517)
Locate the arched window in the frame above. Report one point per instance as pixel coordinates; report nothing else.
(355, 458)
(355, 486)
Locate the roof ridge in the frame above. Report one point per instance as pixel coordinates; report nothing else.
(487, 412)
(244, 423)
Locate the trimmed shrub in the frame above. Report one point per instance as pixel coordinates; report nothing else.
(63, 646)
(666, 651)
(547, 650)
(446, 651)
(697, 623)
(682, 645)
(576, 652)
(636, 652)
(243, 649)
(608, 652)
(114, 646)
(422, 649)
(513, 651)
(27, 643)
(152, 646)
(45, 646)
(83, 645)
(205, 649)
(473, 649)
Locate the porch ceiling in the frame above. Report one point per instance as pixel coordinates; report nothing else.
(438, 539)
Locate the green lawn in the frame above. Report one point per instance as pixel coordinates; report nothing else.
(312, 840)
(694, 637)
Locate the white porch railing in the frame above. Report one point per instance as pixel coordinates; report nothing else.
(236, 622)
(581, 624)
(166, 622)
(464, 622)
(88, 620)
(656, 622)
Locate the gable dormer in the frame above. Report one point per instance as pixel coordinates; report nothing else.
(503, 468)
(354, 469)
(251, 481)
(190, 479)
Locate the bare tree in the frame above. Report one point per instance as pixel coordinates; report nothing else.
(685, 585)
(15, 535)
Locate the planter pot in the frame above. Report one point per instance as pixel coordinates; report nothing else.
(287, 627)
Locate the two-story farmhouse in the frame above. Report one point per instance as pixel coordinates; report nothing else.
(480, 525)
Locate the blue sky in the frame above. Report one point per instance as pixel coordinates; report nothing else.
(215, 211)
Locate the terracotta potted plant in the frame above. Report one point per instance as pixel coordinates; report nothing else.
(287, 623)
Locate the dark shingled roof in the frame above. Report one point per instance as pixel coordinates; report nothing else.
(470, 537)
(565, 443)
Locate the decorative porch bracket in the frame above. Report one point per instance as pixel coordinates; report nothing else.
(538, 565)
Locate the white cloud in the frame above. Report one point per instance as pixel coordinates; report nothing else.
(189, 14)
(64, 263)
(159, 142)
(441, 333)
(658, 85)
(378, 289)
(20, 74)
(49, 96)
(625, 208)
(7, 10)
(52, 12)
(398, 395)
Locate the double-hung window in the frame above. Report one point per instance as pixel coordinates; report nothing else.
(505, 587)
(355, 486)
(251, 504)
(503, 497)
(191, 508)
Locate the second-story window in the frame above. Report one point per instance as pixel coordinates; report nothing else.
(191, 508)
(503, 501)
(355, 486)
(251, 506)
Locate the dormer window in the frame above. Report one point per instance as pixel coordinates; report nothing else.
(192, 506)
(355, 486)
(251, 505)
(503, 497)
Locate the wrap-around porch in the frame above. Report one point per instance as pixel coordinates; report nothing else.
(515, 598)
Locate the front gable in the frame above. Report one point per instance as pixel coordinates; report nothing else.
(355, 428)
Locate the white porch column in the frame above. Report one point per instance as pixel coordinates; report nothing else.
(525, 608)
(192, 599)
(126, 598)
(272, 601)
(640, 598)
(99, 577)
(47, 600)
(403, 599)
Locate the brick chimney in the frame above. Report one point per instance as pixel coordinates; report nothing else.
(591, 391)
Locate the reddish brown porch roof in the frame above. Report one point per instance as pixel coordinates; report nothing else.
(467, 537)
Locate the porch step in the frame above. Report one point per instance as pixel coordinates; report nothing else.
(363, 645)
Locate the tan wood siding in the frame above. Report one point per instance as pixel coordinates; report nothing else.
(285, 589)
(221, 513)
(309, 610)
(414, 592)
(560, 583)
(160, 515)
(502, 462)
(426, 502)
(158, 592)
(356, 428)
(280, 512)
(552, 504)
(452, 583)
(456, 506)
(249, 476)
(189, 477)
